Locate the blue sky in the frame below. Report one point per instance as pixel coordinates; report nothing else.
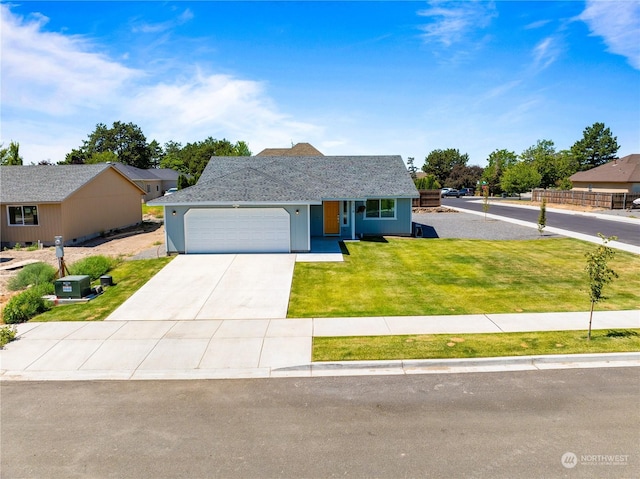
(349, 77)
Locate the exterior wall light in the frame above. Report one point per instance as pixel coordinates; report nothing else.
(297, 212)
(173, 213)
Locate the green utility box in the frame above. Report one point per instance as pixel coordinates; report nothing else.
(74, 287)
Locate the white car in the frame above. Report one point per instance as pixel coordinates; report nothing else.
(170, 191)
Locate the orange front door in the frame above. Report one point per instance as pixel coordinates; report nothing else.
(331, 217)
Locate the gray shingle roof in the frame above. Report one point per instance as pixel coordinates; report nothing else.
(45, 184)
(134, 173)
(297, 179)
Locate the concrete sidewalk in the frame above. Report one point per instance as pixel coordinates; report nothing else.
(263, 348)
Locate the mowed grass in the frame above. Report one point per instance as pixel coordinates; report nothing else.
(445, 346)
(412, 277)
(128, 277)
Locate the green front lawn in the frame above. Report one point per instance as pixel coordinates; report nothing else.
(448, 346)
(128, 277)
(412, 277)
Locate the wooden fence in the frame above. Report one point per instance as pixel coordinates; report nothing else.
(428, 199)
(612, 201)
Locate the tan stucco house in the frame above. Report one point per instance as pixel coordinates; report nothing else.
(617, 176)
(77, 202)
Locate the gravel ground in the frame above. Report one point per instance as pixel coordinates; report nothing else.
(468, 226)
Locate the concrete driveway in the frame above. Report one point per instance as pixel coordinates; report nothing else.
(221, 286)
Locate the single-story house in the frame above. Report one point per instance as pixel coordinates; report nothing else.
(154, 181)
(277, 203)
(77, 202)
(617, 176)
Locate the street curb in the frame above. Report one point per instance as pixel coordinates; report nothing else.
(538, 362)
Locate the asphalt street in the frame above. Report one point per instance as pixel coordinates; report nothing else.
(626, 232)
(489, 425)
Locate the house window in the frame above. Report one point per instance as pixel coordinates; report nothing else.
(381, 208)
(345, 213)
(23, 215)
(157, 188)
(148, 188)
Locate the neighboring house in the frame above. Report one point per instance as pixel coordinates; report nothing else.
(617, 176)
(299, 149)
(77, 202)
(155, 181)
(277, 203)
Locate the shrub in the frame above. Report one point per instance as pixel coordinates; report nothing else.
(7, 334)
(33, 274)
(26, 305)
(93, 266)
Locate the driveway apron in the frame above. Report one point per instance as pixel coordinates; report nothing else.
(220, 286)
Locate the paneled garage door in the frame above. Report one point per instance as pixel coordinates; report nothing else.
(237, 230)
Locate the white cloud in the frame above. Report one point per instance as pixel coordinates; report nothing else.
(546, 52)
(618, 23)
(453, 21)
(56, 88)
(51, 73)
(181, 19)
(215, 105)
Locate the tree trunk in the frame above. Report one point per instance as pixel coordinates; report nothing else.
(590, 319)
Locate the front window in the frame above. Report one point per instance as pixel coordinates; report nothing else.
(23, 215)
(381, 208)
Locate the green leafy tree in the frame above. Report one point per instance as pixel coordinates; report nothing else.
(195, 156)
(440, 163)
(156, 153)
(123, 142)
(497, 163)
(171, 157)
(11, 155)
(542, 156)
(597, 147)
(566, 165)
(520, 177)
(428, 182)
(599, 272)
(463, 176)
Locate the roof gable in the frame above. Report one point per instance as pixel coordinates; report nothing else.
(623, 170)
(48, 183)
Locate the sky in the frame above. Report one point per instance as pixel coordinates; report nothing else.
(351, 78)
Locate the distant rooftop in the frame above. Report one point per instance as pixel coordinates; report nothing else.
(623, 170)
(300, 149)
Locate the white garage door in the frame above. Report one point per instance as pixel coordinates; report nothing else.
(237, 230)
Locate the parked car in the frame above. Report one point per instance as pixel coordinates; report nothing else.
(451, 192)
(466, 191)
(170, 191)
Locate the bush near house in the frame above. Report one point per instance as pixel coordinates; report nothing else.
(27, 304)
(32, 275)
(93, 266)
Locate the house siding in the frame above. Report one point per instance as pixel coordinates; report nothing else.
(49, 225)
(298, 227)
(106, 203)
(606, 187)
(401, 225)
